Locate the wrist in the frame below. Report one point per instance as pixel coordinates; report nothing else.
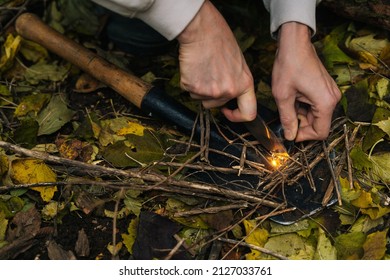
(294, 31)
(203, 22)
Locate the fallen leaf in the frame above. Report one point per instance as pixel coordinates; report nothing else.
(255, 236)
(383, 87)
(30, 171)
(325, 250)
(331, 51)
(9, 49)
(3, 227)
(31, 103)
(349, 245)
(86, 83)
(375, 245)
(129, 237)
(33, 51)
(135, 150)
(46, 72)
(381, 167)
(364, 224)
(374, 133)
(384, 125)
(54, 115)
(292, 246)
(52, 210)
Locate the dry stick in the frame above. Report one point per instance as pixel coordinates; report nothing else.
(208, 168)
(308, 172)
(210, 210)
(339, 168)
(256, 165)
(263, 250)
(175, 249)
(189, 186)
(317, 159)
(207, 135)
(332, 173)
(349, 163)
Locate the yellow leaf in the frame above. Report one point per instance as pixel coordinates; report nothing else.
(131, 128)
(129, 239)
(254, 236)
(364, 200)
(10, 48)
(30, 171)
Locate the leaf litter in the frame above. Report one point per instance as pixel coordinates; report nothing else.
(79, 160)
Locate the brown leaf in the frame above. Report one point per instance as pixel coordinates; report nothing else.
(87, 84)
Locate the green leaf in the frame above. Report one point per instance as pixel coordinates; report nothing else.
(295, 227)
(383, 87)
(348, 194)
(381, 167)
(44, 71)
(31, 103)
(54, 115)
(133, 204)
(384, 125)
(325, 250)
(33, 51)
(360, 159)
(349, 245)
(292, 246)
(3, 226)
(79, 16)
(374, 134)
(364, 224)
(375, 245)
(331, 51)
(135, 150)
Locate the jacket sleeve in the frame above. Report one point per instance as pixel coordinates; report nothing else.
(168, 17)
(282, 11)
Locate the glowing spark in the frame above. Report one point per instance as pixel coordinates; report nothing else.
(278, 159)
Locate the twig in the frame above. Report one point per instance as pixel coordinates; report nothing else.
(175, 249)
(349, 162)
(151, 177)
(210, 210)
(254, 247)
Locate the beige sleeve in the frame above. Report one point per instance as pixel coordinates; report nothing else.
(282, 11)
(168, 17)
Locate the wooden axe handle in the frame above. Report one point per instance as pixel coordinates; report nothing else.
(131, 87)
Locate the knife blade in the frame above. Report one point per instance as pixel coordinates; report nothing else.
(266, 137)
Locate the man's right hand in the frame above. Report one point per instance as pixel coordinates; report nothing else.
(212, 66)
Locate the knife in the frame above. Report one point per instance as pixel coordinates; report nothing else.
(266, 137)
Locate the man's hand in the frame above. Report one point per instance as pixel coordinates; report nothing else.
(302, 87)
(212, 66)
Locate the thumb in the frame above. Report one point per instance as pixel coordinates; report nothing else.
(246, 110)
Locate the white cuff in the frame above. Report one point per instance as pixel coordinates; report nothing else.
(282, 11)
(170, 17)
